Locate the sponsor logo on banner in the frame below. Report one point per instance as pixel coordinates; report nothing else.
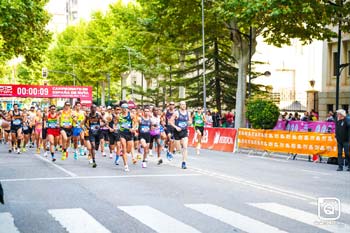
(6, 90)
(223, 140)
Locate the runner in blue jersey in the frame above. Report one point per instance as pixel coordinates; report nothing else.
(180, 120)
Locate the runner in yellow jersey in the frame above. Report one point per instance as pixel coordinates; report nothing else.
(66, 124)
(78, 133)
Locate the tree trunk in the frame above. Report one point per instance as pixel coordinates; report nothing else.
(218, 90)
(240, 51)
(103, 93)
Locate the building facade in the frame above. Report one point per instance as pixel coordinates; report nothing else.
(327, 96)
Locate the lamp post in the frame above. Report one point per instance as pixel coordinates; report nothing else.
(203, 45)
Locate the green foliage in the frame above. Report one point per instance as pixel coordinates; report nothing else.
(22, 29)
(262, 114)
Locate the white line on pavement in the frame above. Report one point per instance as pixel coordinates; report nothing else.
(57, 166)
(7, 224)
(157, 220)
(253, 184)
(302, 216)
(98, 177)
(267, 158)
(234, 219)
(77, 221)
(315, 172)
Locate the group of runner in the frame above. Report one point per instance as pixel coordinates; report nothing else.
(126, 131)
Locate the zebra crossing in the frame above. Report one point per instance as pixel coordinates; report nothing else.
(77, 220)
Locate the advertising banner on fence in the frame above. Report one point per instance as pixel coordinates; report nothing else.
(42, 91)
(221, 139)
(308, 143)
(306, 126)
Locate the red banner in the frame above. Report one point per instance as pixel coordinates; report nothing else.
(39, 91)
(221, 139)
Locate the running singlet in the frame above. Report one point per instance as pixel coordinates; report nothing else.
(182, 121)
(145, 126)
(94, 124)
(155, 121)
(198, 120)
(17, 119)
(52, 122)
(66, 119)
(80, 118)
(112, 124)
(125, 123)
(168, 115)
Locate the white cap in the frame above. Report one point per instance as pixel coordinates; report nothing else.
(341, 112)
(109, 107)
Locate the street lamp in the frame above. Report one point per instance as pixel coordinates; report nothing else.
(203, 45)
(266, 74)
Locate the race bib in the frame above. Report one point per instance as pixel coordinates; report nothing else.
(25, 128)
(199, 122)
(66, 124)
(17, 122)
(126, 125)
(52, 125)
(155, 132)
(182, 124)
(145, 129)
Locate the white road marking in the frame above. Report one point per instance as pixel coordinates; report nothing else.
(315, 172)
(255, 185)
(7, 224)
(157, 220)
(234, 219)
(267, 158)
(77, 221)
(57, 166)
(99, 177)
(302, 216)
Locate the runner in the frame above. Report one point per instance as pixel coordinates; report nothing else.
(31, 115)
(45, 140)
(17, 119)
(114, 137)
(93, 122)
(199, 120)
(135, 139)
(180, 121)
(66, 124)
(25, 130)
(145, 136)
(53, 129)
(38, 129)
(127, 124)
(169, 131)
(155, 133)
(104, 130)
(78, 134)
(87, 143)
(6, 126)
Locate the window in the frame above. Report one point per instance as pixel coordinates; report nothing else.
(335, 63)
(345, 107)
(330, 107)
(349, 62)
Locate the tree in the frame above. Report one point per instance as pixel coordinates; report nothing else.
(278, 22)
(262, 114)
(22, 29)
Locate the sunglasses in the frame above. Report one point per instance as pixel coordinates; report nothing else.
(53, 109)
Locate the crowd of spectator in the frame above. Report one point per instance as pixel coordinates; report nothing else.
(215, 119)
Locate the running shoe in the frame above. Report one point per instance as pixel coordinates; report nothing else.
(160, 161)
(10, 150)
(111, 156)
(91, 161)
(64, 156)
(45, 154)
(144, 164)
(150, 153)
(183, 165)
(94, 165)
(116, 160)
(53, 159)
(126, 168)
(169, 156)
(139, 156)
(104, 154)
(24, 149)
(38, 151)
(134, 161)
(75, 155)
(18, 151)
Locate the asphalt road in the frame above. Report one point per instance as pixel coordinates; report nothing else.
(219, 192)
